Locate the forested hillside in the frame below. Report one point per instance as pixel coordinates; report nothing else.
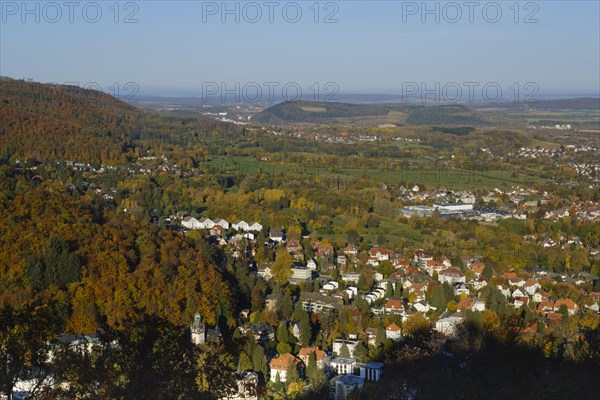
(58, 122)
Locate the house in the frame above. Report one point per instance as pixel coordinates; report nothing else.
(432, 266)
(217, 230)
(341, 386)
(351, 277)
(479, 305)
(546, 306)
(505, 290)
(264, 271)
(320, 356)
(222, 222)
(255, 227)
(371, 335)
(461, 288)
(349, 343)
(464, 304)
(351, 293)
(393, 332)
(572, 307)
(350, 250)
(468, 304)
(517, 281)
(451, 275)
(294, 246)
(448, 326)
(206, 223)
(262, 332)
(240, 226)
(379, 254)
(400, 264)
(331, 285)
(478, 284)
(531, 287)
(421, 306)
(343, 366)
(317, 302)
(76, 342)
(370, 371)
(518, 293)
(279, 366)
(421, 258)
(300, 274)
(394, 306)
(277, 234)
(540, 296)
(190, 223)
(311, 264)
(520, 301)
(247, 386)
(477, 268)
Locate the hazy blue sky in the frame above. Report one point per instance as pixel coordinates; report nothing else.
(375, 46)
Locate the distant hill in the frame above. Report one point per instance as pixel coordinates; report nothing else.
(316, 112)
(339, 113)
(47, 121)
(583, 103)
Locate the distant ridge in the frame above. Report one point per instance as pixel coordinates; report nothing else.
(294, 112)
(580, 103)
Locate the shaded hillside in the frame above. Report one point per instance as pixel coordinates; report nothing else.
(444, 115)
(44, 121)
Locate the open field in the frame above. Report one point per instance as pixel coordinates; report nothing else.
(426, 173)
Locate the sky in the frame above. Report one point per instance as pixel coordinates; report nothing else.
(188, 47)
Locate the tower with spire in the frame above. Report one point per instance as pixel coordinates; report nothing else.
(198, 330)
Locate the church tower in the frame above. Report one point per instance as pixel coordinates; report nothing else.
(198, 330)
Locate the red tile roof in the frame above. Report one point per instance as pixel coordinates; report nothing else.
(393, 327)
(281, 363)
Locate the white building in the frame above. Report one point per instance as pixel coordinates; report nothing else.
(341, 386)
(393, 332)
(198, 330)
(255, 226)
(343, 366)
(351, 277)
(222, 222)
(351, 344)
(191, 223)
(240, 226)
(300, 275)
(206, 223)
(448, 326)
